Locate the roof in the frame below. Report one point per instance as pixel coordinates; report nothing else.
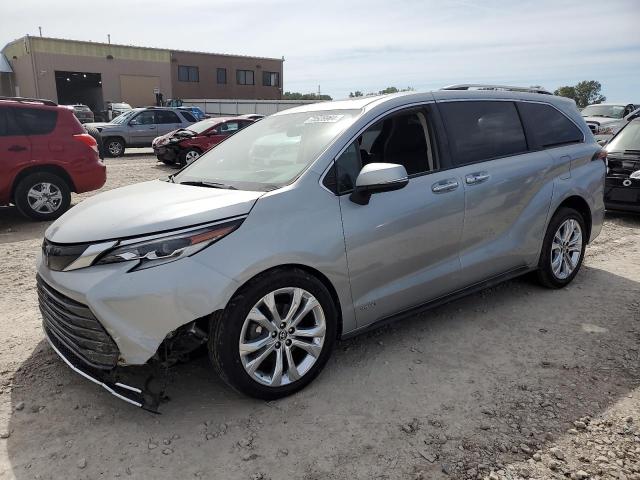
(4, 65)
(120, 45)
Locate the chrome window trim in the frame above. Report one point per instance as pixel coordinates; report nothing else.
(89, 255)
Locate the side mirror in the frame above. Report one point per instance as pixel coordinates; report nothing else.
(378, 178)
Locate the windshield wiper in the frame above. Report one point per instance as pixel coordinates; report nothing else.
(204, 183)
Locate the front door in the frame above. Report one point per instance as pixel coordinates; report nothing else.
(143, 128)
(402, 248)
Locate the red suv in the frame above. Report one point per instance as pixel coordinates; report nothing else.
(45, 154)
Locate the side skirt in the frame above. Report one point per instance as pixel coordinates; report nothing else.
(410, 312)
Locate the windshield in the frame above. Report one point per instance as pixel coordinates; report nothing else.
(124, 118)
(270, 153)
(627, 139)
(608, 111)
(200, 127)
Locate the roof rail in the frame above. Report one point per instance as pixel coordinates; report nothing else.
(31, 100)
(479, 86)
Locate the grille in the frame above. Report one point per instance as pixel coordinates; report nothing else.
(593, 127)
(72, 325)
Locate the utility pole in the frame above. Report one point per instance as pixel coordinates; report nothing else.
(40, 29)
(318, 90)
(109, 38)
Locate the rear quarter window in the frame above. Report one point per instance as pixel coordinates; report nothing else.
(482, 130)
(547, 127)
(188, 116)
(35, 121)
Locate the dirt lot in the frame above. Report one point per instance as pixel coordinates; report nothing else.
(513, 382)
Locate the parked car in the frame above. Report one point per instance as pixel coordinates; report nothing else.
(138, 127)
(196, 112)
(622, 189)
(606, 119)
(82, 112)
(390, 205)
(45, 154)
(183, 146)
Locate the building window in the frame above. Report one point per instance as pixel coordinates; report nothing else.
(244, 77)
(271, 79)
(188, 74)
(221, 74)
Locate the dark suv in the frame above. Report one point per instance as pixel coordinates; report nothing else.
(45, 154)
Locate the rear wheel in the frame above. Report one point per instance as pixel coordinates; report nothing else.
(42, 196)
(276, 334)
(563, 249)
(114, 147)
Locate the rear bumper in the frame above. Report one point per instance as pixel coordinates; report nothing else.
(93, 177)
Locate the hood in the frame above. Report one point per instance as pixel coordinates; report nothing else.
(179, 134)
(146, 208)
(602, 120)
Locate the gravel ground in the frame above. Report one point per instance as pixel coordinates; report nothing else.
(513, 382)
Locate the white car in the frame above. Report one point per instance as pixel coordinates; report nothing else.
(606, 119)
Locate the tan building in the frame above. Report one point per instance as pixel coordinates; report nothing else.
(70, 71)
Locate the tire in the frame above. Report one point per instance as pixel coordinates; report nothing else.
(39, 186)
(234, 326)
(114, 147)
(188, 156)
(569, 265)
(93, 131)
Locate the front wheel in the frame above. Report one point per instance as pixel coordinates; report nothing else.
(189, 156)
(276, 334)
(563, 249)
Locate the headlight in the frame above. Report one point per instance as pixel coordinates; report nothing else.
(151, 251)
(635, 175)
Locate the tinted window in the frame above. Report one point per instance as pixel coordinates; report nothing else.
(34, 121)
(482, 130)
(145, 118)
(547, 127)
(188, 117)
(7, 124)
(222, 75)
(165, 116)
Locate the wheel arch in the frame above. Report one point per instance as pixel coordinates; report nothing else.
(54, 169)
(582, 207)
(311, 271)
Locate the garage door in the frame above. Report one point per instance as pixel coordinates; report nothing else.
(137, 90)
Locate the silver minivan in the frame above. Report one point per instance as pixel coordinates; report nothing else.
(315, 224)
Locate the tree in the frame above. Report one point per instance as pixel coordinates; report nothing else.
(583, 93)
(357, 93)
(304, 96)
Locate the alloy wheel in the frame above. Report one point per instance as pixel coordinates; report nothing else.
(191, 156)
(115, 148)
(566, 249)
(44, 197)
(282, 336)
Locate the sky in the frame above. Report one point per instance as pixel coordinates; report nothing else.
(367, 45)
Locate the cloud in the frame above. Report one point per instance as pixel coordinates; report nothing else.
(368, 45)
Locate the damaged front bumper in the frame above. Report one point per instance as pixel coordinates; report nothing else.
(148, 394)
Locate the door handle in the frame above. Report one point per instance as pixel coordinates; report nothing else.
(443, 186)
(16, 148)
(477, 177)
